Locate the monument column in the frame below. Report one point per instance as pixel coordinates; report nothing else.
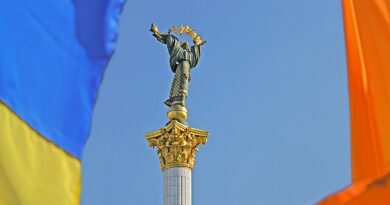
(177, 142)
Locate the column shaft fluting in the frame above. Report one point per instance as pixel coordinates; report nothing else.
(177, 186)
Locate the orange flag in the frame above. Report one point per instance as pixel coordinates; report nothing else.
(367, 34)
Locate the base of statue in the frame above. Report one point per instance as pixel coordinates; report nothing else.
(178, 112)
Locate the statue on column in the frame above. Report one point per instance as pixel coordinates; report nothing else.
(177, 142)
(182, 59)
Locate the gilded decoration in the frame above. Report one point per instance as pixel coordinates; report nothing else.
(176, 144)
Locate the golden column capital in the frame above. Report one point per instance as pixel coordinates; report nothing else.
(176, 144)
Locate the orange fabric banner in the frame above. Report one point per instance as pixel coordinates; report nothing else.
(367, 34)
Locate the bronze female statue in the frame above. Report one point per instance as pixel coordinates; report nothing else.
(182, 60)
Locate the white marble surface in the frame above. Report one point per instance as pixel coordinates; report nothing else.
(177, 186)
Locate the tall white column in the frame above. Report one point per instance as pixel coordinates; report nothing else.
(177, 186)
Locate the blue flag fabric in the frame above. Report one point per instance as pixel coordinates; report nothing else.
(52, 58)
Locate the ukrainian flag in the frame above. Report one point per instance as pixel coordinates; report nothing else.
(52, 58)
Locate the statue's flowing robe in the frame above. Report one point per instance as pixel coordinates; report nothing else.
(181, 62)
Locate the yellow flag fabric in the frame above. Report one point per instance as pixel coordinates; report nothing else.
(367, 34)
(34, 171)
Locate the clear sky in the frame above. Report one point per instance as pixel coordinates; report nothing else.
(271, 87)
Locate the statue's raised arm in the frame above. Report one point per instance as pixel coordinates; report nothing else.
(166, 38)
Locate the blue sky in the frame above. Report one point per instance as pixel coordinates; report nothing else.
(271, 87)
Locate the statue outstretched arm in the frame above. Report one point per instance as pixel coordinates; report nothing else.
(158, 35)
(195, 50)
